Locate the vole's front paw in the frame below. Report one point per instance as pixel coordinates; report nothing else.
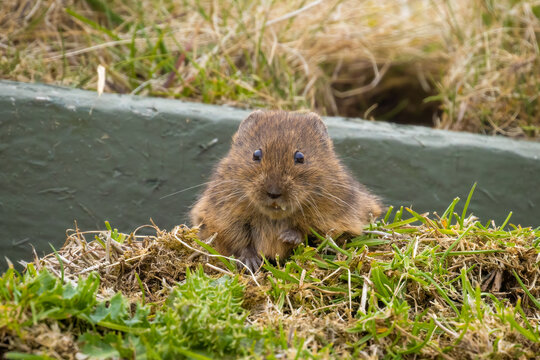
(251, 259)
(291, 236)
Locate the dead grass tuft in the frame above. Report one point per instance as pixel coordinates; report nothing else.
(139, 264)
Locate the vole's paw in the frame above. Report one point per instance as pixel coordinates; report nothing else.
(291, 236)
(251, 259)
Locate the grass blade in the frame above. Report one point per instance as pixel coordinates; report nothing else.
(464, 213)
(533, 299)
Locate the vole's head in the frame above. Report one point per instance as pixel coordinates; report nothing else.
(281, 161)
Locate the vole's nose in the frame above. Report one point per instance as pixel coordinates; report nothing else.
(273, 190)
(273, 195)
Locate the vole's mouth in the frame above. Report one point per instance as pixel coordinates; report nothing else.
(276, 207)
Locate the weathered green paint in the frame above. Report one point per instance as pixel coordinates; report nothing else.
(70, 155)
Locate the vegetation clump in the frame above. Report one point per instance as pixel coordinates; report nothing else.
(432, 286)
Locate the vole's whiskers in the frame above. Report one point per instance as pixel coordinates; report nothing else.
(186, 189)
(229, 195)
(240, 199)
(295, 198)
(314, 209)
(350, 187)
(335, 199)
(237, 195)
(222, 181)
(330, 196)
(322, 192)
(218, 182)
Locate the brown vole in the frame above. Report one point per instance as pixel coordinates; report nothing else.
(280, 177)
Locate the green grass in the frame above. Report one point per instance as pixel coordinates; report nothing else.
(412, 286)
(201, 319)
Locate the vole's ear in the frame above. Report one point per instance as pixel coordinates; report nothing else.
(247, 123)
(318, 124)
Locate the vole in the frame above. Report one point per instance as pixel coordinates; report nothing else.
(280, 177)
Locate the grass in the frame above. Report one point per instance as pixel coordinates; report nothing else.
(458, 65)
(493, 78)
(412, 286)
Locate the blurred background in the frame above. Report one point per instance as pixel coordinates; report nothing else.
(468, 65)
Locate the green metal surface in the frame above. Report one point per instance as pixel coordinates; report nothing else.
(69, 155)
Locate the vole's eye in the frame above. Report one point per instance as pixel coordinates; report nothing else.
(257, 155)
(298, 158)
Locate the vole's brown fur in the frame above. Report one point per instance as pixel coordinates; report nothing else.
(244, 201)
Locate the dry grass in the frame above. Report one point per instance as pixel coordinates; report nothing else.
(243, 53)
(493, 80)
(477, 61)
(157, 261)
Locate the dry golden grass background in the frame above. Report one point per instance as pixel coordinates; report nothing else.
(460, 65)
